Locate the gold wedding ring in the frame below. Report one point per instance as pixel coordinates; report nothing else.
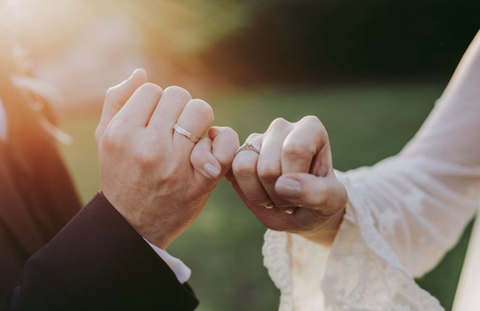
(180, 130)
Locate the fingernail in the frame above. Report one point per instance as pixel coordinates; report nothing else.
(288, 188)
(211, 170)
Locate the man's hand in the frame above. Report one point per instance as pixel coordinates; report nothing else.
(290, 185)
(156, 178)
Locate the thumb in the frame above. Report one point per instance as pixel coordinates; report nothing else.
(310, 191)
(116, 97)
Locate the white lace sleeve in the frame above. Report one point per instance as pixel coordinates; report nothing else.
(403, 215)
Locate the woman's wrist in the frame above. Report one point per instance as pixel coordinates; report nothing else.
(325, 235)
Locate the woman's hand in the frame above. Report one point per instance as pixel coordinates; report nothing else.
(288, 182)
(158, 179)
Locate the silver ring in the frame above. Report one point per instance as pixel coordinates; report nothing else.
(248, 145)
(180, 130)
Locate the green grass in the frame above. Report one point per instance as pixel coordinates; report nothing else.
(223, 247)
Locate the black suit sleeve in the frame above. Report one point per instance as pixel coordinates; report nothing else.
(98, 262)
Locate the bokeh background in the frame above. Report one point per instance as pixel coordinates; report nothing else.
(370, 69)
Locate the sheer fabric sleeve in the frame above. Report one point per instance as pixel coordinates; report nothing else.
(403, 215)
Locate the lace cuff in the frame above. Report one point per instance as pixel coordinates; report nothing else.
(359, 272)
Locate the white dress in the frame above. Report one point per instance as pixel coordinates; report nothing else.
(403, 215)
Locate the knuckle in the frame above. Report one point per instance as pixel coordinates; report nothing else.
(298, 149)
(150, 88)
(243, 168)
(316, 125)
(311, 119)
(146, 157)
(111, 92)
(279, 122)
(320, 198)
(201, 108)
(111, 140)
(269, 171)
(112, 96)
(254, 136)
(178, 92)
(170, 172)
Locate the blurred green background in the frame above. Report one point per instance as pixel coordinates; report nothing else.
(223, 248)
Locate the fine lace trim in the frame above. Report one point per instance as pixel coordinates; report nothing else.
(277, 261)
(362, 272)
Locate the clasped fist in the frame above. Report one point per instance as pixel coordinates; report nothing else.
(287, 180)
(158, 179)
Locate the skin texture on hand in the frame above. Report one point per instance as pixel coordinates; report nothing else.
(156, 178)
(294, 168)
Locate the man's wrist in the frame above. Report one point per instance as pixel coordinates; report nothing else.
(157, 234)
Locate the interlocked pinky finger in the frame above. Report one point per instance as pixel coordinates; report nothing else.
(224, 144)
(203, 160)
(245, 171)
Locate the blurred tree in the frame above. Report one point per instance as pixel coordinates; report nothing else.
(288, 40)
(178, 29)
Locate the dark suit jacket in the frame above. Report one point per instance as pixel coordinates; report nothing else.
(98, 262)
